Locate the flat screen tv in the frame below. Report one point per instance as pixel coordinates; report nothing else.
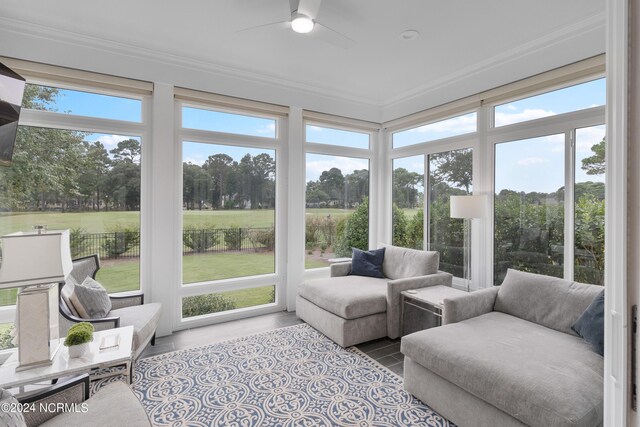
(11, 90)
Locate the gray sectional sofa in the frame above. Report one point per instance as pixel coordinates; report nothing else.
(507, 356)
(354, 309)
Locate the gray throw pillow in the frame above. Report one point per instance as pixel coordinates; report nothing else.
(9, 415)
(93, 298)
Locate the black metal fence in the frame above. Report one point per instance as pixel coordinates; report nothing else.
(126, 244)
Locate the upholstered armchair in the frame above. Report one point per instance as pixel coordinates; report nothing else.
(126, 310)
(352, 309)
(113, 405)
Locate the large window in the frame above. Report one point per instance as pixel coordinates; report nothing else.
(450, 174)
(86, 181)
(529, 206)
(228, 202)
(337, 208)
(229, 198)
(408, 202)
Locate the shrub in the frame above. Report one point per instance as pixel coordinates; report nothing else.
(205, 304)
(199, 238)
(120, 240)
(5, 338)
(400, 237)
(233, 238)
(355, 231)
(78, 241)
(79, 333)
(415, 230)
(266, 238)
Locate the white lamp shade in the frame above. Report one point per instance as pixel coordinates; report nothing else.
(35, 259)
(467, 206)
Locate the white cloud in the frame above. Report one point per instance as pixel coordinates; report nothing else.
(346, 164)
(268, 129)
(315, 128)
(196, 160)
(111, 141)
(588, 137)
(510, 107)
(503, 118)
(528, 161)
(461, 124)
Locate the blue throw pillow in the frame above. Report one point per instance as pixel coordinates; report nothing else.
(367, 263)
(590, 325)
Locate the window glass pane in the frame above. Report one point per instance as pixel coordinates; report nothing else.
(443, 129)
(228, 212)
(589, 197)
(218, 121)
(86, 182)
(5, 338)
(202, 305)
(337, 208)
(67, 101)
(450, 174)
(529, 206)
(343, 138)
(573, 98)
(408, 197)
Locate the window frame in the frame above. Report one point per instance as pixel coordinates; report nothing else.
(350, 125)
(63, 121)
(279, 146)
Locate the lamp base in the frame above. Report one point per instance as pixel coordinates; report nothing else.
(38, 331)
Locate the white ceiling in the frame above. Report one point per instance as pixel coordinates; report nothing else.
(459, 39)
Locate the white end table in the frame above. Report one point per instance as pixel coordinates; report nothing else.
(63, 366)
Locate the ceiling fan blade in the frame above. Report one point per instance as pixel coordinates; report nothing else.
(309, 8)
(331, 36)
(279, 24)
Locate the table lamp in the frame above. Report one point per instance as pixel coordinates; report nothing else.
(36, 262)
(467, 207)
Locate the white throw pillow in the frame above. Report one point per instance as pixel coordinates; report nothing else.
(91, 299)
(67, 293)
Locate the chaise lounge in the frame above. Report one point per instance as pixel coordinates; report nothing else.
(507, 356)
(352, 309)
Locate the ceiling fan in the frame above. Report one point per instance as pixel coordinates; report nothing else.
(303, 20)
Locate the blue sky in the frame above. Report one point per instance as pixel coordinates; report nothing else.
(530, 166)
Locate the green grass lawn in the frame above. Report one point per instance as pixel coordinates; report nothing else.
(99, 222)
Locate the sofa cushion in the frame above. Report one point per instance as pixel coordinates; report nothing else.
(144, 319)
(590, 325)
(400, 263)
(367, 263)
(535, 374)
(349, 297)
(9, 414)
(548, 301)
(113, 405)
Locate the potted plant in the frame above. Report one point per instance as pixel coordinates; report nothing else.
(78, 339)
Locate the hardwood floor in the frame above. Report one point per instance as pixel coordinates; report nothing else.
(386, 351)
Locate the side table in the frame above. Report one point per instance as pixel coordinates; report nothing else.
(64, 366)
(422, 308)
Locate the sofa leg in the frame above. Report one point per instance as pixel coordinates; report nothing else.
(153, 339)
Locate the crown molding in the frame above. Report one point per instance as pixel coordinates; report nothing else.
(595, 22)
(29, 29)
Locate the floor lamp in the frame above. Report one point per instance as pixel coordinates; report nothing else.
(36, 262)
(467, 208)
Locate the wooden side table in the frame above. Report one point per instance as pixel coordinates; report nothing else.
(422, 308)
(63, 366)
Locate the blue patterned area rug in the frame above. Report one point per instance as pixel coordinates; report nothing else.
(292, 376)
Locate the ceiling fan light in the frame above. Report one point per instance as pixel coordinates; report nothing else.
(301, 23)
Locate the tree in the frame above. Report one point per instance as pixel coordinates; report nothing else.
(332, 183)
(454, 167)
(218, 166)
(95, 166)
(595, 165)
(127, 151)
(355, 233)
(405, 188)
(196, 186)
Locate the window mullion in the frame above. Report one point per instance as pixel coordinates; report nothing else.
(569, 204)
